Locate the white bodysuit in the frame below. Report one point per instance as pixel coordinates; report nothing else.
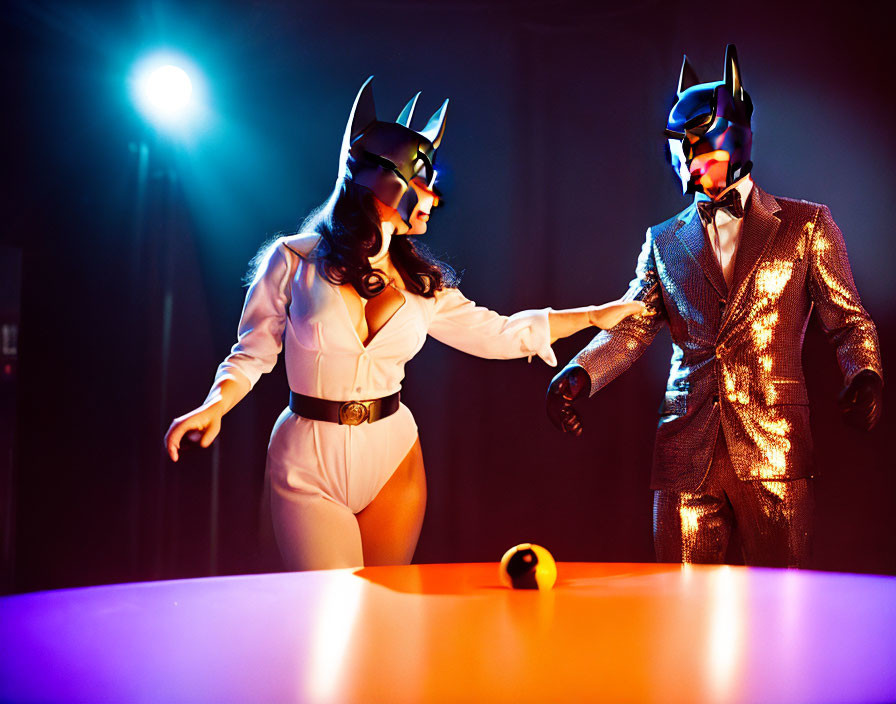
(290, 303)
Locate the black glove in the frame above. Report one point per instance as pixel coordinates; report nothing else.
(571, 383)
(862, 401)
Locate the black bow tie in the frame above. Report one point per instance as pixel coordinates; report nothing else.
(730, 201)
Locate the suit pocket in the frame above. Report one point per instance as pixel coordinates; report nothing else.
(788, 392)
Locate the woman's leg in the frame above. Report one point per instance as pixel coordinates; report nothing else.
(314, 533)
(390, 524)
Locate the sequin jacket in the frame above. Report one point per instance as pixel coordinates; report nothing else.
(736, 355)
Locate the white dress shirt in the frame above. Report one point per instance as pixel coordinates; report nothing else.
(290, 304)
(724, 232)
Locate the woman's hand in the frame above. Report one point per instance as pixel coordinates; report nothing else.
(201, 425)
(569, 321)
(611, 314)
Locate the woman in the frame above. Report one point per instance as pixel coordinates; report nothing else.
(352, 300)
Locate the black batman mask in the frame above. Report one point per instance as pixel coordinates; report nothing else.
(709, 124)
(386, 156)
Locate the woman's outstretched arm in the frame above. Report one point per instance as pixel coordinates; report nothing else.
(459, 322)
(568, 322)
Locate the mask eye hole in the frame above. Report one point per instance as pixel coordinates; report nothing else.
(699, 124)
(385, 163)
(426, 171)
(694, 127)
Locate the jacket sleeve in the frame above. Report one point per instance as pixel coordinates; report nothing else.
(460, 323)
(260, 332)
(613, 351)
(847, 324)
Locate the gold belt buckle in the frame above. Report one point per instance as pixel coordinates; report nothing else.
(353, 413)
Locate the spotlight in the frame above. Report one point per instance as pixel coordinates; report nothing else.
(163, 89)
(166, 91)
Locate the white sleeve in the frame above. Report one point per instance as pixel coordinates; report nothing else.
(260, 333)
(460, 323)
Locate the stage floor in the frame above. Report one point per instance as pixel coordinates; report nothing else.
(451, 633)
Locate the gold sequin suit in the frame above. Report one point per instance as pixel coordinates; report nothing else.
(736, 355)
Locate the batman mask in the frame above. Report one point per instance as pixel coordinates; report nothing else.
(385, 157)
(709, 129)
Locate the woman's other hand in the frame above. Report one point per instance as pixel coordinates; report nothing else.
(611, 314)
(201, 426)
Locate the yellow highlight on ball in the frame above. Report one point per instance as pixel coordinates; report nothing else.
(528, 566)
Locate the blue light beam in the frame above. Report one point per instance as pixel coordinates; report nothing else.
(165, 91)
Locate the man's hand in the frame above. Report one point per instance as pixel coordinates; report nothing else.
(861, 402)
(571, 383)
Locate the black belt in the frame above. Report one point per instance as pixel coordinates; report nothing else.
(343, 412)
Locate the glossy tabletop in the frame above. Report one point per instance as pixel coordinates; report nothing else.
(451, 633)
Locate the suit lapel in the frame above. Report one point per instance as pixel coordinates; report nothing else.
(693, 236)
(759, 230)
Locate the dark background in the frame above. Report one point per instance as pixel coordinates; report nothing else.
(554, 167)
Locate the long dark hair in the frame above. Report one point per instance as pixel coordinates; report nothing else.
(349, 226)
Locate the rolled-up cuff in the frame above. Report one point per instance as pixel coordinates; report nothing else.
(534, 330)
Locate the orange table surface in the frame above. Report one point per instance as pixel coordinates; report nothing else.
(452, 633)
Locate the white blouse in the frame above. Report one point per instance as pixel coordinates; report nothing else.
(290, 303)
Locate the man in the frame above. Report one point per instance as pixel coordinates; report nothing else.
(735, 276)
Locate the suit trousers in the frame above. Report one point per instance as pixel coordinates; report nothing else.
(773, 518)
